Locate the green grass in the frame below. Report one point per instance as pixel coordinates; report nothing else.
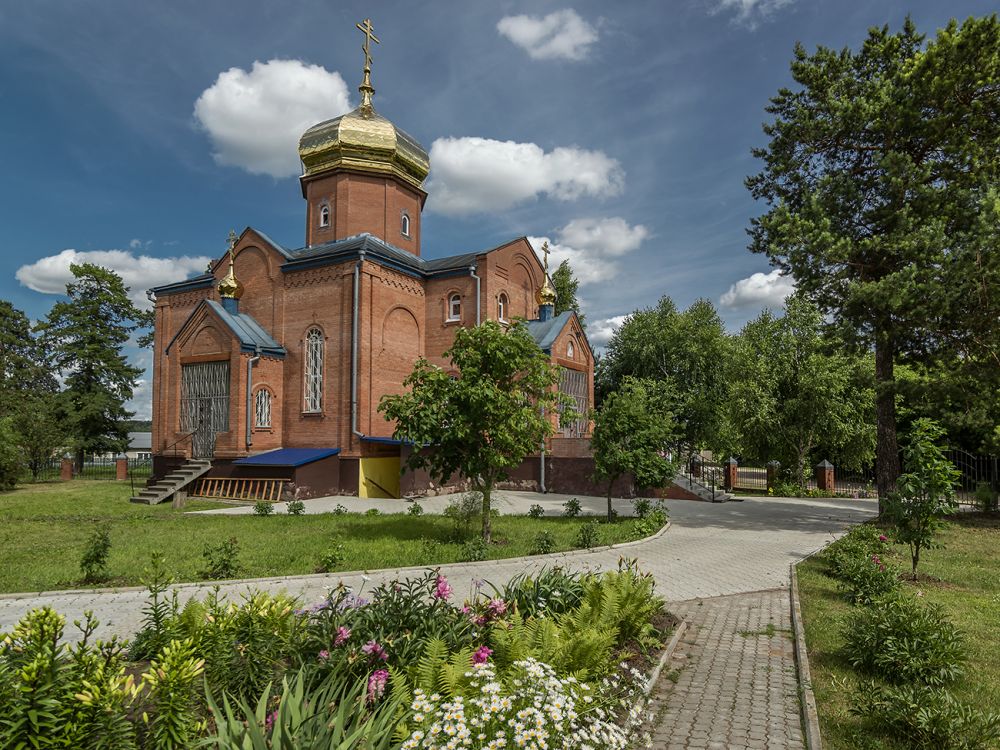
(962, 577)
(44, 528)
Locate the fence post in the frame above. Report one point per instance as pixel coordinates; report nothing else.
(824, 476)
(66, 469)
(121, 467)
(772, 474)
(729, 474)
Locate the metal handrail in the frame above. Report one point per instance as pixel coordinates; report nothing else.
(149, 460)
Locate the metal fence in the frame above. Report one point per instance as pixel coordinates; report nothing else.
(855, 484)
(973, 470)
(94, 467)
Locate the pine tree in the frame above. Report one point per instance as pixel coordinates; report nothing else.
(881, 182)
(84, 336)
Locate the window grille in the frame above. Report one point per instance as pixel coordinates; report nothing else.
(574, 384)
(262, 408)
(205, 396)
(455, 307)
(314, 370)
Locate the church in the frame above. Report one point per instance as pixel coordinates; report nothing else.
(273, 362)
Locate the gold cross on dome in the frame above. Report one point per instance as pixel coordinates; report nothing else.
(545, 252)
(232, 241)
(366, 88)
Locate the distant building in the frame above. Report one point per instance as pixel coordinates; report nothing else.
(276, 348)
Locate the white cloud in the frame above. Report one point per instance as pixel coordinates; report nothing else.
(51, 274)
(750, 13)
(559, 35)
(255, 119)
(475, 175)
(599, 332)
(759, 290)
(593, 246)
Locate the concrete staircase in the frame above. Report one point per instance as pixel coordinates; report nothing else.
(702, 491)
(163, 489)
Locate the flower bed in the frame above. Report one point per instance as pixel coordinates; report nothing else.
(541, 662)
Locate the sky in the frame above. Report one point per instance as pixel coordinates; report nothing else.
(136, 135)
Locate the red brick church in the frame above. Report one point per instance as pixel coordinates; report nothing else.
(273, 362)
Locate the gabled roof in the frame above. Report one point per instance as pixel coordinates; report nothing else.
(250, 334)
(350, 248)
(545, 332)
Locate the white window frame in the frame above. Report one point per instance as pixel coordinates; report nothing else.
(324, 216)
(454, 307)
(262, 409)
(315, 346)
(503, 302)
(404, 224)
(570, 349)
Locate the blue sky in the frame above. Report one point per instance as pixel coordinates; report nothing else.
(137, 134)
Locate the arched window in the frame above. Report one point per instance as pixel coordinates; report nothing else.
(503, 304)
(455, 307)
(262, 408)
(570, 351)
(314, 370)
(324, 215)
(404, 224)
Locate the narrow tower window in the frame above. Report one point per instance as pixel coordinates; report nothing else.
(405, 224)
(262, 408)
(314, 370)
(324, 216)
(455, 307)
(502, 304)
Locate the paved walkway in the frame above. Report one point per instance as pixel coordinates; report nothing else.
(732, 682)
(736, 684)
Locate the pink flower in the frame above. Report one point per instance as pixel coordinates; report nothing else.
(497, 607)
(883, 538)
(269, 721)
(324, 654)
(376, 684)
(342, 635)
(442, 590)
(482, 655)
(373, 648)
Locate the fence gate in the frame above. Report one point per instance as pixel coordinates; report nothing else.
(205, 404)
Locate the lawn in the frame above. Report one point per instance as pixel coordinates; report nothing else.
(962, 576)
(44, 529)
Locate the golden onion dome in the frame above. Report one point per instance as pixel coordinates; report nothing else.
(230, 287)
(365, 141)
(546, 295)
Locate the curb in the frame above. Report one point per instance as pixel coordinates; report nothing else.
(807, 700)
(335, 576)
(668, 652)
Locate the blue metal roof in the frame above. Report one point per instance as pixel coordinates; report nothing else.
(544, 332)
(288, 457)
(251, 335)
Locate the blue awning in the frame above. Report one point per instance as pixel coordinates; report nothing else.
(288, 457)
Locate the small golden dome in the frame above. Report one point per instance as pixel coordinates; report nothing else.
(546, 295)
(230, 287)
(366, 141)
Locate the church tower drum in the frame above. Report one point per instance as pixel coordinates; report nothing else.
(361, 173)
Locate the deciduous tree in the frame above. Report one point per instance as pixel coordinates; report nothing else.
(633, 432)
(484, 422)
(566, 285)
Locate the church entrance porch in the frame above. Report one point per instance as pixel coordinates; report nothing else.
(204, 404)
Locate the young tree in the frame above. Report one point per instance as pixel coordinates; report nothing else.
(633, 429)
(484, 422)
(11, 459)
(880, 177)
(566, 285)
(688, 351)
(789, 395)
(926, 492)
(23, 373)
(84, 336)
(39, 433)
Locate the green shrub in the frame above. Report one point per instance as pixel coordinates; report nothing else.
(926, 717)
(475, 550)
(332, 559)
(901, 640)
(641, 506)
(986, 498)
(295, 508)
(171, 686)
(862, 541)
(263, 508)
(588, 536)
(11, 456)
(340, 510)
(415, 509)
(464, 512)
(157, 614)
(373, 512)
(222, 560)
(544, 543)
(430, 550)
(624, 601)
(94, 562)
(572, 508)
(536, 511)
(655, 520)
